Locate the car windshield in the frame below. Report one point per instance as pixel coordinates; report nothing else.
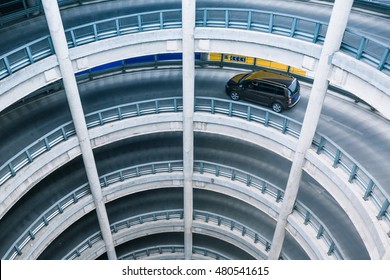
(243, 77)
(293, 86)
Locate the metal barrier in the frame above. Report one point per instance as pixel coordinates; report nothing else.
(176, 214)
(285, 125)
(267, 188)
(44, 220)
(361, 47)
(170, 250)
(21, 9)
(37, 148)
(321, 144)
(202, 167)
(16, 10)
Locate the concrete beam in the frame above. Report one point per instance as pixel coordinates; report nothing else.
(188, 28)
(60, 45)
(334, 35)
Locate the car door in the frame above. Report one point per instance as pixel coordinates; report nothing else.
(264, 93)
(252, 92)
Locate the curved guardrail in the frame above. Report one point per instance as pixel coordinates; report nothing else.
(361, 47)
(34, 150)
(277, 194)
(21, 9)
(201, 167)
(323, 145)
(171, 249)
(44, 220)
(175, 214)
(285, 125)
(27, 11)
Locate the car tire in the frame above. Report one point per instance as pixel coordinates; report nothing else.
(234, 95)
(277, 107)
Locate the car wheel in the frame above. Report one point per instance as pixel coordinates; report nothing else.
(234, 95)
(277, 107)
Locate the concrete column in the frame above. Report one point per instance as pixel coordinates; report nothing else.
(188, 28)
(56, 28)
(334, 35)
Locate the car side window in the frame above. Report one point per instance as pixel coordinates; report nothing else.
(266, 88)
(279, 91)
(246, 84)
(254, 85)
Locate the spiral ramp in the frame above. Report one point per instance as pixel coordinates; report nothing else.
(242, 153)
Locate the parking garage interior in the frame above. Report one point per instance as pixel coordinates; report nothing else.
(153, 160)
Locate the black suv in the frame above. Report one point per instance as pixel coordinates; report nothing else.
(276, 90)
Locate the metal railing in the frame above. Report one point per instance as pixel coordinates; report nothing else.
(202, 167)
(43, 220)
(267, 188)
(322, 145)
(16, 10)
(176, 214)
(34, 150)
(361, 47)
(19, 9)
(170, 250)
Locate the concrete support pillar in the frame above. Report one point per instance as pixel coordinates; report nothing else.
(334, 35)
(53, 18)
(188, 28)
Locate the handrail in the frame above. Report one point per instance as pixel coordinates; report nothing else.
(360, 46)
(43, 220)
(171, 249)
(251, 181)
(175, 214)
(28, 11)
(321, 144)
(265, 187)
(34, 150)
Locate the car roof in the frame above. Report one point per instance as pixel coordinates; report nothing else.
(275, 77)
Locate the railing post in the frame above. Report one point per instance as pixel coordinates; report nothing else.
(382, 63)
(7, 65)
(316, 33)
(383, 210)
(337, 25)
(249, 22)
(271, 22)
(369, 188)
(188, 43)
(362, 46)
(226, 18)
(293, 27)
(57, 33)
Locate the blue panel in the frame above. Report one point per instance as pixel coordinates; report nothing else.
(137, 60)
(170, 56)
(141, 59)
(110, 65)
